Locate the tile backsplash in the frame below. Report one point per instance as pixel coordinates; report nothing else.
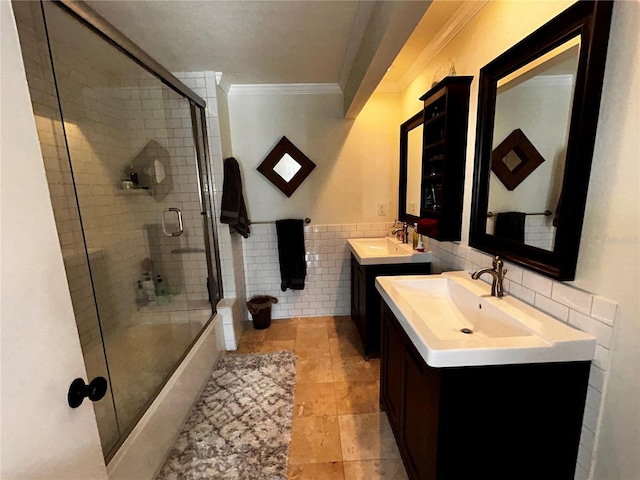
(327, 288)
(582, 310)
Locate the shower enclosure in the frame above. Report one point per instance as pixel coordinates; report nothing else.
(124, 146)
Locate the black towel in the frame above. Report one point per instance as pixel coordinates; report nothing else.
(291, 252)
(233, 210)
(510, 225)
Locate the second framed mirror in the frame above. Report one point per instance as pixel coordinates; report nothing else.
(537, 116)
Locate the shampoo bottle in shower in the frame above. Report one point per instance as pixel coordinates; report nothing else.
(149, 289)
(141, 295)
(161, 291)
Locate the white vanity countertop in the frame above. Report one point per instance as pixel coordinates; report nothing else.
(433, 309)
(385, 251)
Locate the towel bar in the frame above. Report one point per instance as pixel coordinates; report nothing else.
(306, 220)
(546, 213)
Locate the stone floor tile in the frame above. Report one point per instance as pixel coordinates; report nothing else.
(281, 332)
(351, 369)
(375, 470)
(248, 347)
(316, 471)
(313, 331)
(375, 367)
(357, 397)
(252, 335)
(346, 347)
(277, 345)
(313, 347)
(313, 399)
(315, 440)
(315, 370)
(367, 437)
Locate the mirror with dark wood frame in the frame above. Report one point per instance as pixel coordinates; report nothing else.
(410, 184)
(537, 117)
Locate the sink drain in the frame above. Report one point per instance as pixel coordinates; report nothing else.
(466, 331)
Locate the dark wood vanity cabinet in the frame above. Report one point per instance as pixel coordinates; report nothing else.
(365, 299)
(446, 117)
(497, 422)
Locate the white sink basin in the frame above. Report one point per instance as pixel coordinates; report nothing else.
(386, 250)
(433, 309)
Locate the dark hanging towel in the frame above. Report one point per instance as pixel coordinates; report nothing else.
(510, 225)
(233, 210)
(291, 252)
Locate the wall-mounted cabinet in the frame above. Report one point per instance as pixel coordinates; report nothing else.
(446, 114)
(433, 187)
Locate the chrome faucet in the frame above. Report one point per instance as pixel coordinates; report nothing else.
(405, 232)
(497, 273)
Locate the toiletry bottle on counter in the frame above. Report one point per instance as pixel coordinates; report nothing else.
(149, 288)
(415, 236)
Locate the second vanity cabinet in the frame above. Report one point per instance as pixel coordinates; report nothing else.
(495, 422)
(365, 300)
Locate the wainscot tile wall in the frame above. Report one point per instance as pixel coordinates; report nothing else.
(327, 288)
(587, 312)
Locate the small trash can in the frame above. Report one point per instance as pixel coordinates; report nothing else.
(260, 308)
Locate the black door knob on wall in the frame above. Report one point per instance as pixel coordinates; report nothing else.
(79, 390)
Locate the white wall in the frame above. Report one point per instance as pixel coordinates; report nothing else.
(356, 169)
(356, 160)
(609, 259)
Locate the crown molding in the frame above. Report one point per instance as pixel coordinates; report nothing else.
(285, 89)
(222, 82)
(462, 16)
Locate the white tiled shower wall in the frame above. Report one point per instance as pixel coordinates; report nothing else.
(587, 312)
(230, 245)
(108, 120)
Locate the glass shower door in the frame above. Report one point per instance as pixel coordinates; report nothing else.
(125, 163)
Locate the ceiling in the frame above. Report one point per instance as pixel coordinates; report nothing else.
(251, 42)
(439, 14)
(348, 43)
(263, 42)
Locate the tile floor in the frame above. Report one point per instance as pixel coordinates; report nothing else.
(339, 432)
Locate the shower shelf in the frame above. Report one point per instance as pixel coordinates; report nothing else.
(131, 191)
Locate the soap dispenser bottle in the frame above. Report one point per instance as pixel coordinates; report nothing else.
(416, 236)
(149, 289)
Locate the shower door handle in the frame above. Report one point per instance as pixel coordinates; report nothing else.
(180, 224)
